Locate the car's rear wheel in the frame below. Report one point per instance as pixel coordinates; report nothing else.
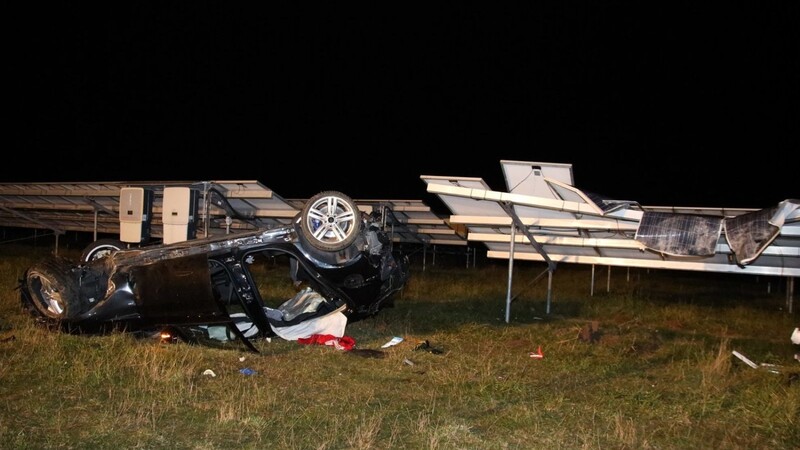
(53, 291)
(100, 249)
(330, 221)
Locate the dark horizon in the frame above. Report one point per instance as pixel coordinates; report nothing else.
(662, 105)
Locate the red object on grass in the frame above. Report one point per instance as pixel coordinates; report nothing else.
(340, 343)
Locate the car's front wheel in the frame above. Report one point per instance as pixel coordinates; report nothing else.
(100, 249)
(330, 221)
(53, 292)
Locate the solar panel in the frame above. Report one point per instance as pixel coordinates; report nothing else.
(544, 217)
(576, 226)
(225, 206)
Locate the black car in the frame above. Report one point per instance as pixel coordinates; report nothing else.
(342, 255)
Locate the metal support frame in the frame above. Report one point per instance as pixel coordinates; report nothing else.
(516, 223)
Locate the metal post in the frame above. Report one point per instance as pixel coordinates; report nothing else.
(608, 280)
(433, 258)
(510, 272)
(424, 255)
(467, 257)
(549, 289)
(591, 288)
(789, 293)
(95, 224)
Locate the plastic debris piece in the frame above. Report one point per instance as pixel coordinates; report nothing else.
(771, 368)
(745, 359)
(394, 341)
(241, 359)
(537, 354)
(247, 371)
(339, 343)
(210, 373)
(407, 362)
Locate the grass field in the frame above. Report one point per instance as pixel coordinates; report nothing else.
(644, 364)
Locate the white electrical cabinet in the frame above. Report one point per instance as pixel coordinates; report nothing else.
(178, 214)
(135, 207)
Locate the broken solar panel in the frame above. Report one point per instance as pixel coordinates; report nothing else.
(679, 234)
(750, 234)
(608, 205)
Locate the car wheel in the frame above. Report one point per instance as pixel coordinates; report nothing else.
(53, 291)
(100, 249)
(330, 221)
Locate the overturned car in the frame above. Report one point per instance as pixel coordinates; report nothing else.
(206, 288)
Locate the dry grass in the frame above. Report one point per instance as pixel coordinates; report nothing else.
(657, 372)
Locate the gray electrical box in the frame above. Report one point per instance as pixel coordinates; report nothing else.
(135, 211)
(179, 214)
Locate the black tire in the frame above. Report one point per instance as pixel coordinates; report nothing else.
(330, 221)
(52, 289)
(100, 249)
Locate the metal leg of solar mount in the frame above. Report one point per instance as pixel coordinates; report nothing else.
(516, 222)
(549, 289)
(510, 271)
(789, 293)
(591, 286)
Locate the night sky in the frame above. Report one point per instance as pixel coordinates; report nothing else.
(663, 104)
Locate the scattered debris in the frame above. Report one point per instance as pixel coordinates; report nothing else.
(771, 368)
(745, 359)
(339, 343)
(426, 345)
(590, 332)
(537, 354)
(407, 362)
(394, 341)
(209, 372)
(247, 371)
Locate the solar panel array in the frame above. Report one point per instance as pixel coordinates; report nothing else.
(225, 206)
(572, 226)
